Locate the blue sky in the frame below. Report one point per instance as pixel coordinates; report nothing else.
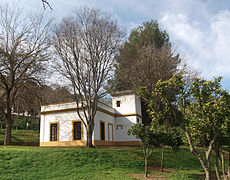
(198, 29)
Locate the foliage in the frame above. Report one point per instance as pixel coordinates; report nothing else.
(201, 110)
(33, 123)
(170, 136)
(154, 136)
(208, 113)
(148, 137)
(146, 57)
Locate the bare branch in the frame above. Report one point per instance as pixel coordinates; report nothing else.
(24, 46)
(86, 45)
(44, 2)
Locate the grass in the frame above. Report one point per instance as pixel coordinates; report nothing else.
(24, 162)
(22, 137)
(186, 165)
(19, 162)
(68, 163)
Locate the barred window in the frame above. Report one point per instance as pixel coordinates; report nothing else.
(53, 131)
(77, 131)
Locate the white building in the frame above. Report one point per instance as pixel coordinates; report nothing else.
(61, 125)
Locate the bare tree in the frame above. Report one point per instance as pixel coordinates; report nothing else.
(46, 3)
(87, 44)
(154, 64)
(24, 46)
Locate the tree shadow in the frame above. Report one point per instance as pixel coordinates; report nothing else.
(202, 176)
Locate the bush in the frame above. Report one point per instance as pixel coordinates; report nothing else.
(27, 123)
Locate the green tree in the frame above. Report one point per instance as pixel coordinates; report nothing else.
(209, 115)
(146, 57)
(149, 139)
(171, 133)
(154, 136)
(169, 136)
(148, 52)
(202, 110)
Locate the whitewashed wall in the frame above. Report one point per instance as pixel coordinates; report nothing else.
(130, 104)
(127, 106)
(138, 105)
(100, 116)
(65, 122)
(126, 122)
(65, 125)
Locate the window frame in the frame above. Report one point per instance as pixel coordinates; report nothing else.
(118, 101)
(119, 126)
(73, 130)
(101, 132)
(57, 131)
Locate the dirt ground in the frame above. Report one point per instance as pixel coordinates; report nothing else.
(153, 176)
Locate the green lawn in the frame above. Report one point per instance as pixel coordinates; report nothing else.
(68, 163)
(81, 163)
(24, 162)
(22, 137)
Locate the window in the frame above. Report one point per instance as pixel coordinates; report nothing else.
(53, 131)
(118, 103)
(102, 127)
(77, 130)
(119, 127)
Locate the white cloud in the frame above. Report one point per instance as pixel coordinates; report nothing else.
(200, 29)
(208, 48)
(178, 24)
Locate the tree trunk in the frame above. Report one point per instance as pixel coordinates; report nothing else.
(146, 166)
(8, 121)
(8, 132)
(223, 165)
(162, 158)
(216, 165)
(229, 162)
(16, 120)
(204, 162)
(89, 137)
(207, 174)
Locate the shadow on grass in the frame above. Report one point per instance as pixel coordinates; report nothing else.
(21, 138)
(202, 176)
(196, 176)
(191, 175)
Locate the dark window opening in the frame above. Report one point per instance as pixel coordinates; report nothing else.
(102, 131)
(53, 132)
(119, 127)
(118, 103)
(77, 130)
